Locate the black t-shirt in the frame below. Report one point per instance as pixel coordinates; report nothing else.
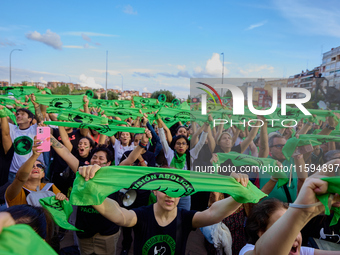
(150, 238)
(92, 222)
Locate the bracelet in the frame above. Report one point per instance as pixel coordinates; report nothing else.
(142, 145)
(330, 127)
(300, 206)
(273, 179)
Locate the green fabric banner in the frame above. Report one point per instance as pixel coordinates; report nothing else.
(21, 91)
(81, 117)
(267, 165)
(60, 211)
(173, 182)
(61, 101)
(108, 130)
(21, 239)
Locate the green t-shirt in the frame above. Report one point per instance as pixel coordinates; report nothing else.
(280, 193)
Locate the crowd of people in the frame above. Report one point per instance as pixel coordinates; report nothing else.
(286, 219)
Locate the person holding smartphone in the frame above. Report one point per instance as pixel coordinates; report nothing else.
(28, 178)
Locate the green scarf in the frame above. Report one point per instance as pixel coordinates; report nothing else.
(81, 117)
(178, 161)
(173, 182)
(109, 130)
(61, 101)
(7, 113)
(21, 239)
(21, 91)
(264, 164)
(60, 211)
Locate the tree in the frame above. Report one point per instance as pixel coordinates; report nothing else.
(24, 83)
(62, 90)
(169, 95)
(110, 95)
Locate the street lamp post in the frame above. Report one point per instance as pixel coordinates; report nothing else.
(10, 66)
(122, 81)
(106, 77)
(222, 71)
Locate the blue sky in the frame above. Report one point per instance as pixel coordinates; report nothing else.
(161, 44)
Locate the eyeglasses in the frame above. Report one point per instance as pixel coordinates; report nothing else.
(38, 166)
(279, 146)
(179, 144)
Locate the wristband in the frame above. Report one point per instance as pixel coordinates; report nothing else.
(142, 145)
(300, 206)
(330, 127)
(273, 179)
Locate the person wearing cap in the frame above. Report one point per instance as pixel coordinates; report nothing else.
(20, 136)
(28, 178)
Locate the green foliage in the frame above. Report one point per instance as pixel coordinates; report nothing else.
(169, 95)
(62, 90)
(24, 83)
(110, 95)
(312, 103)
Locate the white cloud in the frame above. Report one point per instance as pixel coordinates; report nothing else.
(213, 68)
(145, 89)
(85, 37)
(181, 67)
(129, 10)
(89, 81)
(312, 17)
(41, 79)
(50, 38)
(253, 70)
(256, 25)
(86, 46)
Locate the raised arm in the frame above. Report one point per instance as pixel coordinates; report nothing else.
(245, 143)
(220, 209)
(138, 150)
(23, 173)
(110, 209)
(85, 131)
(65, 154)
(64, 138)
(5, 131)
(38, 114)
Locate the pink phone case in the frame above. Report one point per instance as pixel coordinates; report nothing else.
(44, 134)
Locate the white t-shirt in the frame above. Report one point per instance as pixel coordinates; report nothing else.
(23, 140)
(303, 250)
(120, 149)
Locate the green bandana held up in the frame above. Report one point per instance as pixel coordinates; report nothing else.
(173, 182)
(267, 165)
(108, 130)
(21, 239)
(61, 101)
(178, 161)
(5, 112)
(333, 188)
(60, 211)
(81, 117)
(21, 91)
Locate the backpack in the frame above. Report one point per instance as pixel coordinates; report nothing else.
(32, 197)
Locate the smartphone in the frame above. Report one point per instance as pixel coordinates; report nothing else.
(303, 149)
(44, 134)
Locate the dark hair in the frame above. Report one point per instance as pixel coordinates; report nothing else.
(134, 136)
(330, 155)
(187, 152)
(29, 113)
(179, 127)
(259, 217)
(102, 147)
(92, 143)
(36, 217)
